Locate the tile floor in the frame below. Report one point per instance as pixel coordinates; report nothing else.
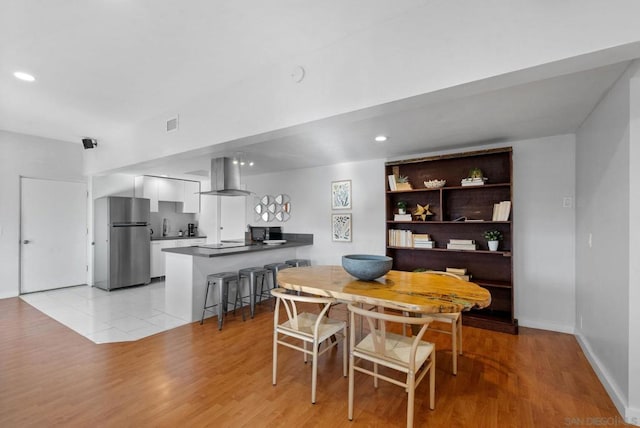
(103, 317)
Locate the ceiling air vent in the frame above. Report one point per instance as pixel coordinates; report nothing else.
(172, 124)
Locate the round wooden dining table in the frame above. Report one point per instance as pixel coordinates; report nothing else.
(405, 291)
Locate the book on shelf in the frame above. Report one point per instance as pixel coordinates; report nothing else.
(424, 244)
(392, 182)
(462, 241)
(473, 181)
(421, 237)
(501, 211)
(402, 217)
(464, 218)
(456, 271)
(400, 238)
(462, 246)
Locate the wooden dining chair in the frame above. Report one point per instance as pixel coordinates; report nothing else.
(454, 320)
(409, 355)
(312, 329)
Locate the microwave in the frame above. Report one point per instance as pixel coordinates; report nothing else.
(262, 233)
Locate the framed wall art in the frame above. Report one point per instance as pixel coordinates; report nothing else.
(341, 227)
(341, 195)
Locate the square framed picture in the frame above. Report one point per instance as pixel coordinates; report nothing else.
(341, 195)
(341, 227)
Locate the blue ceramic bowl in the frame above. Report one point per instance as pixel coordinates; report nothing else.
(366, 267)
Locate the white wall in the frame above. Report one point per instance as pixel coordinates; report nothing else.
(310, 192)
(112, 185)
(544, 256)
(544, 231)
(481, 40)
(29, 156)
(603, 240)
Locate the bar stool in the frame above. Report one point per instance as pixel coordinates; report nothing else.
(252, 275)
(273, 269)
(222, 281)
(299, 262)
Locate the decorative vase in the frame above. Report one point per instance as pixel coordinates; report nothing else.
(493, 245)
(401, 211)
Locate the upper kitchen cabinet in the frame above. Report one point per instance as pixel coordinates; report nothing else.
(147, 187)
(169, 190)
(191, 197)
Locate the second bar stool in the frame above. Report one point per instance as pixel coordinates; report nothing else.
(252, 275)
(222, 280)
(298, 262)
(273, 269)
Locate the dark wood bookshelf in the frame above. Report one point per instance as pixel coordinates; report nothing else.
(490, 269)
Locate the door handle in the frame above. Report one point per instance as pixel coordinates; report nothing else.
(26, 241)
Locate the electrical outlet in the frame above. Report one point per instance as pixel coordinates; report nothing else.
(567, 202)
(590, 240)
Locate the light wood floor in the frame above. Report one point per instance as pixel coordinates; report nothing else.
(198, 376)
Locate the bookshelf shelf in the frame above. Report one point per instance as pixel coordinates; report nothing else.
(493, 253)
(490, 269)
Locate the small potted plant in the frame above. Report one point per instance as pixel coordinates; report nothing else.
(402, 207)
(492, 237)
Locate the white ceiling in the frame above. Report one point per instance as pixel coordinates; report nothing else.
(101, 65)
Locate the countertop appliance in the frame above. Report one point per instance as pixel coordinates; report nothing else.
(192, 229)
(261, 233)
(122, 250)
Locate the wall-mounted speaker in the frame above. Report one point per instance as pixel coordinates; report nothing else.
(89, 143)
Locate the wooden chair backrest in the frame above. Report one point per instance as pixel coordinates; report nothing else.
(290, 303)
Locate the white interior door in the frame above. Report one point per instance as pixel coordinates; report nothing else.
(53, 234)
(232, 217)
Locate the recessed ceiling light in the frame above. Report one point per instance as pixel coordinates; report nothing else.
(24, 76)
(381, 138)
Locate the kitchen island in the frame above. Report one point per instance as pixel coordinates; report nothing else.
(187, 269)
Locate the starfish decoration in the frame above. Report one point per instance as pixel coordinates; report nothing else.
(422, 212)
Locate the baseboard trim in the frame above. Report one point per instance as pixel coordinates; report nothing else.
(630, 416)
(523, 322)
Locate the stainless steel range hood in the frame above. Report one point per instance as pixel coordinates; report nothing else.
(225, 178)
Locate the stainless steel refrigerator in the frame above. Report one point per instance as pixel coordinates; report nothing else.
(122, 242)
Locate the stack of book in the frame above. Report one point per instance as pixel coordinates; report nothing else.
(462, 244)
(422, 240)
(402, 217)
(501, 211)
(461, 272)
(400, 238)
(478, 181)
(392, 182)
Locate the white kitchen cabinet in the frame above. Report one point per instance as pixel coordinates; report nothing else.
(148, 187)
(170, 190)
(158, 256)
(191, 197)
